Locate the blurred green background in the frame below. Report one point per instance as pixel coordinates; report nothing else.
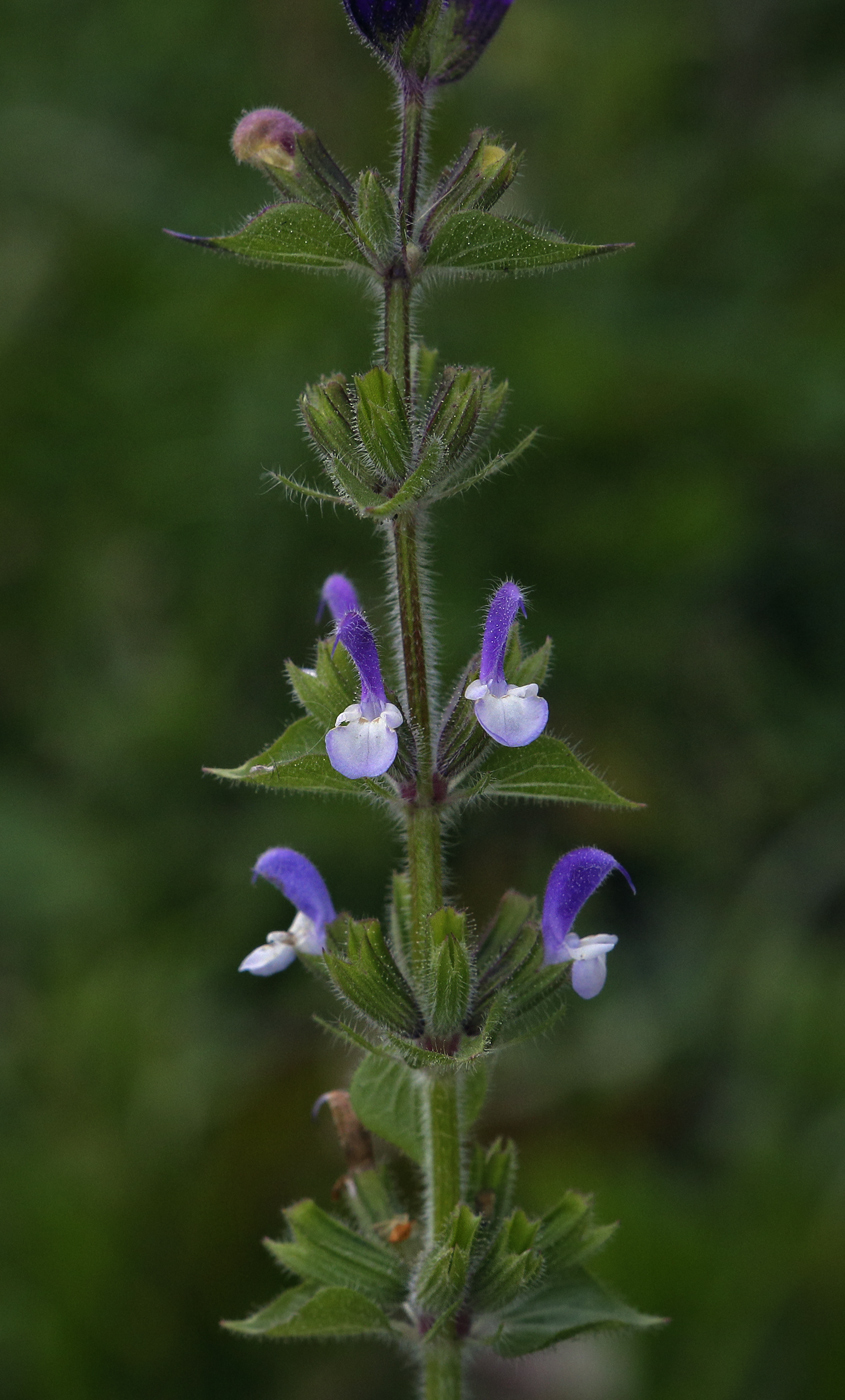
(681, 527)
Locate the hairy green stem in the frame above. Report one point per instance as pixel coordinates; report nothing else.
(443, 1151)
(441, 1360)
(443, 1368)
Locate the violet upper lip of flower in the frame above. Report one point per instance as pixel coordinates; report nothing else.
(363, 743)
(339, 596)
(513, 715)
(574, 878)
(301, 882)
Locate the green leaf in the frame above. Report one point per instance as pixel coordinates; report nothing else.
(472, 1091)
(326, 1251)
(528, 1007)
(383, 422)
(376, 214)
(442, 1273)
(554, 1311)
(289, 235)
(472, 1050)
(569, 1234)
(547, 770)
(369, 978)
(298, 762)
(329, 417)
(446, 975)
(509, 1265)
(492, 1179)
(526, 670)
(492, 468)
(326, 690)
(423, 371)
(422, 477)
(385, 1096)
(347, 1035)
(477, 242)
(402, 922)
(514, 910)
(308, 1311)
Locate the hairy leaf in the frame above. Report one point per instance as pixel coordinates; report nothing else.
(309, 1311)
(289, 235)
(477, 242)
(326, 1251)
(549, 770)
(554, 1311)
(298, 762)
(385, 1096)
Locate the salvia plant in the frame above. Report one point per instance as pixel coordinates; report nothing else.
(426, 997)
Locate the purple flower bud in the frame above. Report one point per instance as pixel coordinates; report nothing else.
(363, 743)
(382, 22)
(267, 137)
(301, 883)
(513, 715)
(474, 22)
(573, 879)
(339, 596)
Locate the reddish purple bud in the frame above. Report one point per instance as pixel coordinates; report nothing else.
(267, 137)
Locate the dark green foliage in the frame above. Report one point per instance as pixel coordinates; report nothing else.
(376, 215)
(325, 1251)
(546, 770)
(310, 1311)
(385, 1096)
(554, 1311)
(443, 1271)
(446, 973)
(290, 235)
(363, 970)
(476, 243)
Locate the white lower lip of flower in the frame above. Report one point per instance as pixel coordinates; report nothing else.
(589, 961)
(515, 718)
(281, 948)
(360, 747)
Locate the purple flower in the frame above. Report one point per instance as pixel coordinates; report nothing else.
(573, 879)
(382, 22)
(513, 715)
(363, 743)
(339, 596)
(473, 23)
(301, 883)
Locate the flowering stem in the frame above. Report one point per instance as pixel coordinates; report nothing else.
(442, 1358)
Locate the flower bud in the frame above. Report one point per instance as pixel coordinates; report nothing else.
(382, 22)
(267, 137)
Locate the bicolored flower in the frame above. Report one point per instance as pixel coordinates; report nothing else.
(573, 879)
(301, 883)
(339, 596)
(473, 25)
(267, 136)
(363, 743)
(382, 22)
(513, 715)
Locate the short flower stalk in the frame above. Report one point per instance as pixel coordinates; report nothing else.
(427, 1000)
